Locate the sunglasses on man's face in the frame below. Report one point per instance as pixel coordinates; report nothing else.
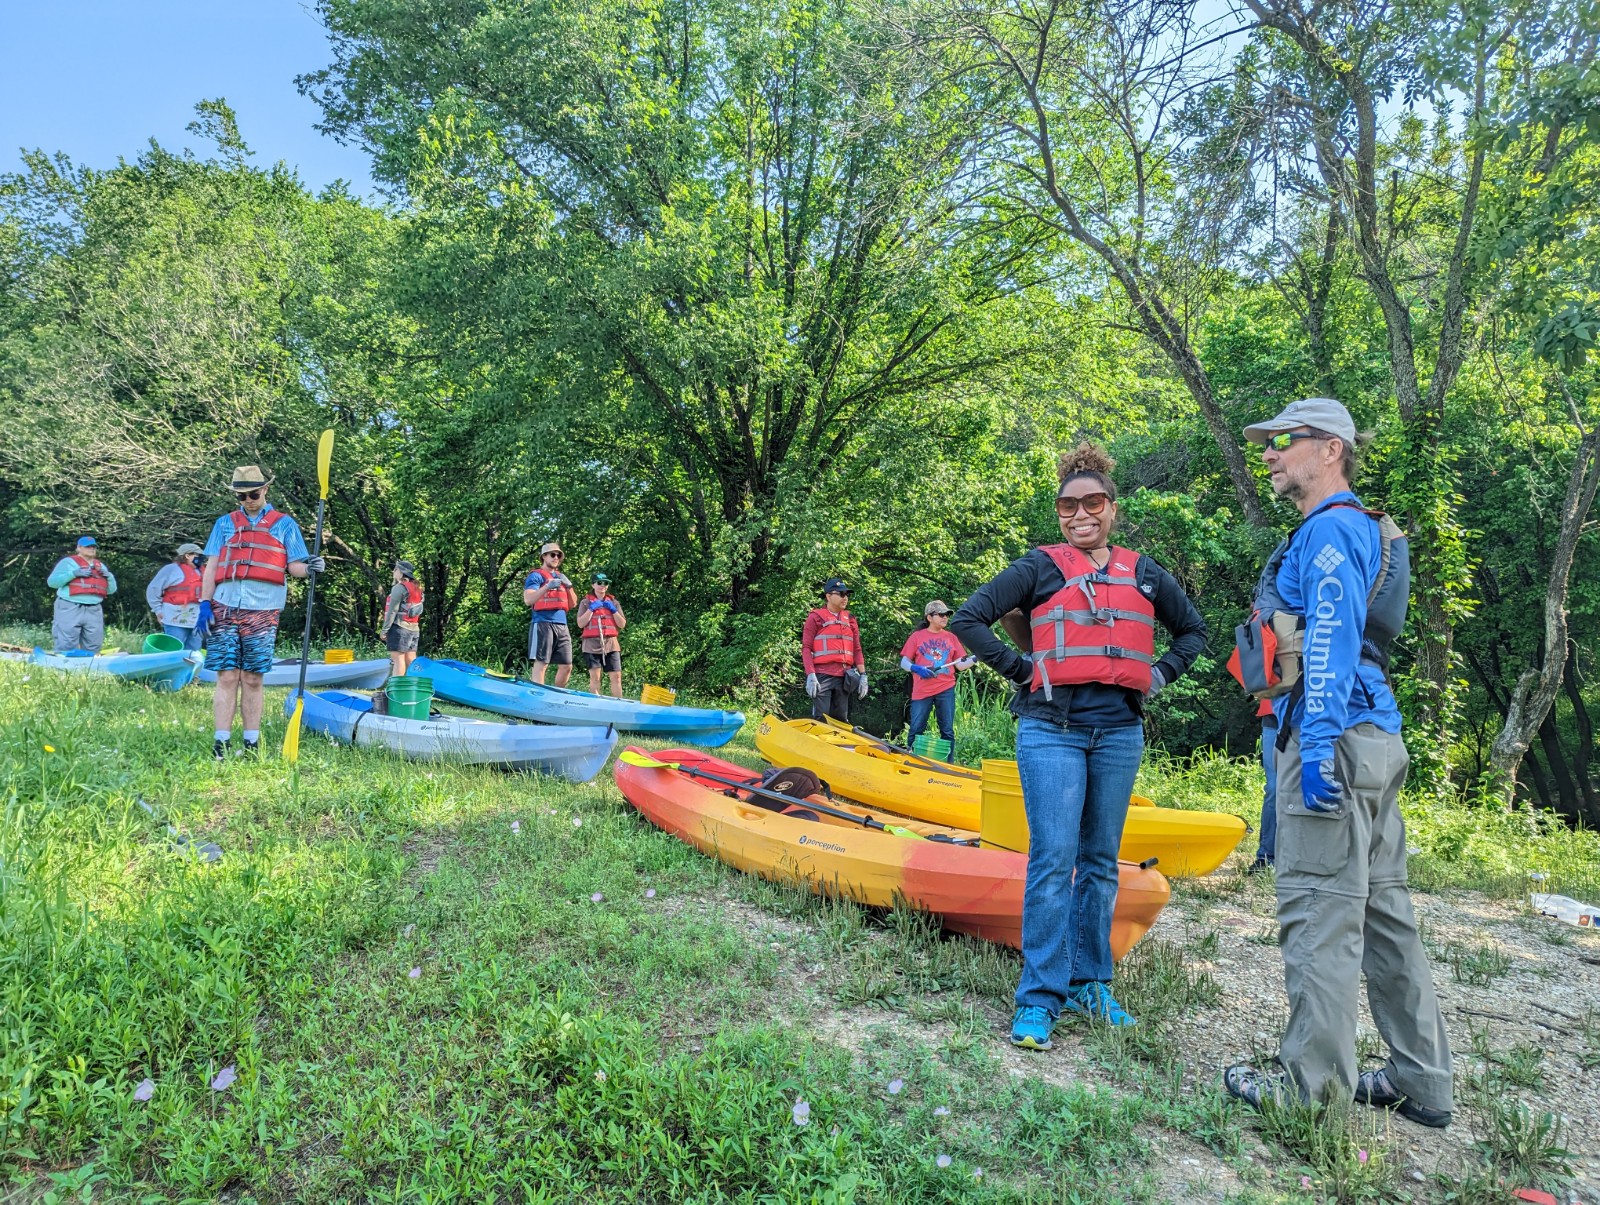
(248, 496)
(559, 556)
(1091, 504)
(1284, 440)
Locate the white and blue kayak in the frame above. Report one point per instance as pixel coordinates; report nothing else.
(576, 754)
(357, 675)
(158, 671)
(474, 686)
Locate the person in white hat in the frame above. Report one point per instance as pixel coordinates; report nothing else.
(1341, 579)
(932, 655)
(548, 593)
(82, 583)
(252, 553)
(173, 596)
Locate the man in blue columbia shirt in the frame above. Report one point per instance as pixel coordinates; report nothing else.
(251, 554)
(1343, 905)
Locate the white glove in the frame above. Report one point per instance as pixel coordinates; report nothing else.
(811, 685)
(1157, 681)
(861, 692)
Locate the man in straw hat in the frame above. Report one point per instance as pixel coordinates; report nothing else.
(252, 553)
(1340, 584)
(81, 582)
(174, 596)
(549, 595)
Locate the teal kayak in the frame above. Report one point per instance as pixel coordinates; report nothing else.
(475, 687)
(159, 671)
(576, 754)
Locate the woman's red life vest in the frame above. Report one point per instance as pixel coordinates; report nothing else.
(185, 592)
(93, 586)
(1099, 627)
(553, 600)
(601, 623)
(837, 639)
(413, 605)
(252, 554)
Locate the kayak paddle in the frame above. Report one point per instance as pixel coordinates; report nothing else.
(632, 757)
(291, 737)
(942, 767)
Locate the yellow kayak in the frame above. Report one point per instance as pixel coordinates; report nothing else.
(864, 769)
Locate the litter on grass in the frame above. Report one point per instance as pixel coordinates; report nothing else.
(1565, 908)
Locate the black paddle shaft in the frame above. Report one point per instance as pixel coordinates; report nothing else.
(311, 597)
(864, 821)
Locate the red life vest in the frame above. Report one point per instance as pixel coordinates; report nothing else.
(558, 599)
(93, 586)
(413, 606)
(251, 553)
(185, 592)
(1099, 627)
(837, 640)
(601, 623)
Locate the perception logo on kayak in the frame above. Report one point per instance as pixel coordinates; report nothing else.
(805, 839)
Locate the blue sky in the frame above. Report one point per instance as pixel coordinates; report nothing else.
(98, 80)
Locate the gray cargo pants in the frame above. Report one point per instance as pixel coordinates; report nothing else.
(1344, 909)
(77, 626)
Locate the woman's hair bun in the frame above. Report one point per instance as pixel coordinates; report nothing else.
(1085, 459)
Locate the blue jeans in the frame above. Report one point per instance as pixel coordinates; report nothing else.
(1075, 788)
(189, 636)
(1266, 849)
(943, 706)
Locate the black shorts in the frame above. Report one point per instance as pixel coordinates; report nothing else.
(549, 643)
(610, 662)
(400, 640)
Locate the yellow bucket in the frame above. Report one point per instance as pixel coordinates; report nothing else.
(1003, 823)
(338, 656)
(658, 696)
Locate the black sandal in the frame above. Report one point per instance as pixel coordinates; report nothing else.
(1376, 1089)
(1254, 1086)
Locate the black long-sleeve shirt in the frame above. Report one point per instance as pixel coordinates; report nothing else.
(1028, 582)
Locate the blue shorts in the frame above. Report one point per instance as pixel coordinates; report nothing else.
(241, 639)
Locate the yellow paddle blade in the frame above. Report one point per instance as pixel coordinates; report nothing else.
(1139, 801)
(629, 757)
(324, 459)
(903, 832)
(291, 737)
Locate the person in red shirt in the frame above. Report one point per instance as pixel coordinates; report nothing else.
(932, 655)
(830, 649)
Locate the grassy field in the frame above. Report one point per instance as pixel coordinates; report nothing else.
(400, 983)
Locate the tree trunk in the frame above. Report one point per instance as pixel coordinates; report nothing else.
(1566, 801)
(1537, 685)
(1585, 726)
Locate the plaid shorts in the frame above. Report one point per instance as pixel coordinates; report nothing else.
(241, 639)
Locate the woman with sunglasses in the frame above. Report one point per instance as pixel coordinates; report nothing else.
(1092, 608)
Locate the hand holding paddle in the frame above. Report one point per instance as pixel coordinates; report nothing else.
(291, 736)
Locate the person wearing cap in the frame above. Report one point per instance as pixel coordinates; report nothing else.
(1091, 609)
(932, 655)
(401, 624)
(830, 649)
(600, 620)
(251, 554)
(173, 596)
(549, 595)
(1344, 907)
(82, 583)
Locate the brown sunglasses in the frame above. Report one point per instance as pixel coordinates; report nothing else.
(1092, 504)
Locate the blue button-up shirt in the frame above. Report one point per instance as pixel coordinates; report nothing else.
(256, 596)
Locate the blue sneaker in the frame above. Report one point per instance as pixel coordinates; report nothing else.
(1031, 1027)
(1095, 1000)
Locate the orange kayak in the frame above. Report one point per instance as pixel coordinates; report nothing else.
(972, 890)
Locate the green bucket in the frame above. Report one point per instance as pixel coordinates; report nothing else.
(410, 698)
(160, 642)
(928, 745)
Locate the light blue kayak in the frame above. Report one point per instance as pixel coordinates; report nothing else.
(158, 671)
(576, 754)
(356, 675)
(475, 687)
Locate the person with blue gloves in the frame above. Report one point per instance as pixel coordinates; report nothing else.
(1091, 609)
(82, 583)
(1344, 909)
(601, 621)
(932, 656)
